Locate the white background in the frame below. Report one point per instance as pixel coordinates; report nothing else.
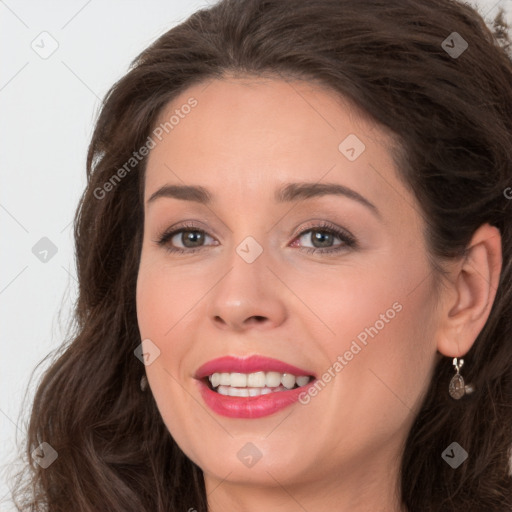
(48, 107)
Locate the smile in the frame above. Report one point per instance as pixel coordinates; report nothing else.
(251, 387)
(255, 384)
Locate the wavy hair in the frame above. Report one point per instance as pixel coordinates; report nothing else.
(452, 117)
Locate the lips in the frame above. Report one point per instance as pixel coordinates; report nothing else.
(255, 363)
(249, 407)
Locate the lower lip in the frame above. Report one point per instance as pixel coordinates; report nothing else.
(250, 406)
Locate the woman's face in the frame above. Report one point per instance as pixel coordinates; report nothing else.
(357, 314)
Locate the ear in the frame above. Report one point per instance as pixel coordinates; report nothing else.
(470, 293)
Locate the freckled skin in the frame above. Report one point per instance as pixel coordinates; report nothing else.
(243, 140)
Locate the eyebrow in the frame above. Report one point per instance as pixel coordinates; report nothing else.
(287, 193)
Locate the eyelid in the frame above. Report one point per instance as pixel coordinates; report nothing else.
(320, 225)
(170, 232)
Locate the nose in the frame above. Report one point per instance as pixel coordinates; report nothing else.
(249, 295)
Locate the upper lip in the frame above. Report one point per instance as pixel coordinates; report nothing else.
(251, 364)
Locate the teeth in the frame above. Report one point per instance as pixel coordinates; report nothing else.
(245, 383)
(288, 380)
(273, 379)
(223, 390)
(215, 379)
(232, 391)
(256, 380)
(238, 380)
(238, 391)
(302, 381)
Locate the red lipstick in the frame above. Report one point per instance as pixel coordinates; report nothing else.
(230, 364)
(250, 407)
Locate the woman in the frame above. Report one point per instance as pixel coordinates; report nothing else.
(294, 260)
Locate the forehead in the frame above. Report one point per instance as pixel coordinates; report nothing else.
(249, 135)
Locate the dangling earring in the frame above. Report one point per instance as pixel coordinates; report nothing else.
(457, 389)
(143, 383)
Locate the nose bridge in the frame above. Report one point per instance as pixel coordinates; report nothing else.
(248, 290)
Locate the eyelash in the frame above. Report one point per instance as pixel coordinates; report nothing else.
(348, 240)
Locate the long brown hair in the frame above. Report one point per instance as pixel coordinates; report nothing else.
(452, 115)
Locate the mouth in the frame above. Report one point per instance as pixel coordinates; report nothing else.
(251, 387)
(254, 384)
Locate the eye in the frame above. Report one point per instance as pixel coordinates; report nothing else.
(192, 239)
(188, 235)
(322, 236)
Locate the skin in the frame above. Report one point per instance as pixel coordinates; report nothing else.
(341, 451)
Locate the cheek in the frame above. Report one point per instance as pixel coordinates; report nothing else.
(382, 304)
(162, 304)
(163, 299)
(164, 295)
(384, 346)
